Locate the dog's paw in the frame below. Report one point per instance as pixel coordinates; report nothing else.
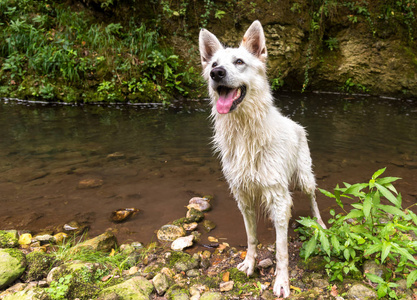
(281, 287)
(247, 266)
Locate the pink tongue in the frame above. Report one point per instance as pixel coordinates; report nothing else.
(225, 101)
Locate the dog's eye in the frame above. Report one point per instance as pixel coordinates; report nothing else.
(239, 62)
(214, 65)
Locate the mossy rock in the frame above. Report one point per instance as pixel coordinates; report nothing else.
(38, 266)
(9, 239)
(12, 266)
(136, 288)
(212, 296)
(29, 294)
(314, 263)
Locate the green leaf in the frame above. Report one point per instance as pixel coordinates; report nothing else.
(382, 290)
(327, 193)
(310, 246)
(346, 254)
(374, 248)
(386, 247)
(375, 278)
(354, 189)
(404, 252)
(377, 173)
(335, 243)
(387, 194)
(367, 205)
(354, 213)
(411, 278)
(324, 242)
(392, 210)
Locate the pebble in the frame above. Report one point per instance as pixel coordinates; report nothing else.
(182, 242)
(226, 286)
(265, 263)
(208, 225)
(190, 226)
(201, 204)
(170, 233)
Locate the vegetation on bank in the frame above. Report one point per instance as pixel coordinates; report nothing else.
(51, 50)
(141, 51)
(377, 228)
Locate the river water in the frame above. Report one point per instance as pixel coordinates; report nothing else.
(165, 159)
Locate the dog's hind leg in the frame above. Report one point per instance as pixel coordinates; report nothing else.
(249, 217)
(280, 213)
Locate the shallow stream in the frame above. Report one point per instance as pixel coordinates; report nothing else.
(165, 158)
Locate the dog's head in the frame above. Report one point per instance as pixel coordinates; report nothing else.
(234, 73)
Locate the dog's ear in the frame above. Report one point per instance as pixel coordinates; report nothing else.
(254, 41)
(209, 44)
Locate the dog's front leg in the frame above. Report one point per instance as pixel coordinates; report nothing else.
(249, 217)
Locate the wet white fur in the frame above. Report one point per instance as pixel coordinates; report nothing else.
(261, 151)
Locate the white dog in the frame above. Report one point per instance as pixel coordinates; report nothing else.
(261, 151)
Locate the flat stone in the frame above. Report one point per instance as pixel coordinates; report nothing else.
(211, 296)
(160, 282)
(226, 286)
(104, 242)
(265, 263)
(208, 225)
(170, 233)
(359, 291)
(136, 288)
(182, 242)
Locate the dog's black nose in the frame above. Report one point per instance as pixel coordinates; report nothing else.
(218, 73)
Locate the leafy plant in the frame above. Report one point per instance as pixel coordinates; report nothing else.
(376, 228)
(58, 289)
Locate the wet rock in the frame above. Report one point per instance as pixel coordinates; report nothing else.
(44, 238)
(226, 286)
(360, 291)
(194, 215)
(12, 266)
(116, 155)
(160, 282)
(182, 242)
(372, 267)
(29, 293)
(193, 273)
(104, 242)
(9, 239)
(265, 263)
(90, 183)
(170, 233)
(123, 214)
(38, 265)
(201, 204)
(71, 267)
(178, 295)
(208, 225)
(186, 264)
(190, 226)
(211, 296)
(136, 288)
(25, 239)
(72, 228)
(60, 237)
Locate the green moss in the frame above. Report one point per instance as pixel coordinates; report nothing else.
(8, 239)
(237, 276)
(178, 256)
(38, 266)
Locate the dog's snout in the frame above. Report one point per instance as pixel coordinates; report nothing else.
(218, 74)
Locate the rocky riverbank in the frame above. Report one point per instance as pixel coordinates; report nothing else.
(50, 267)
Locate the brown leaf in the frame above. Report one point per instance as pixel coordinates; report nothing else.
(334, 292)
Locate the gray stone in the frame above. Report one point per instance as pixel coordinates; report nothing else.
(201, 204)
(193, 273)
(226, 286)
(372, 267)
(182, 242)
(208, 225)
(265, 263)
(136, 288)
(12, 266)
(184, 266)
(359, 291)
(27, 294)
(104, 242)
(178, 295)
(170, 233)
(160, 282)
(211, 296)
(9, 239)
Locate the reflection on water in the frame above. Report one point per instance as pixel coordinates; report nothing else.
(165, 159)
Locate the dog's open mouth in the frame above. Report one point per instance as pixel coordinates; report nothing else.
(229, 98)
